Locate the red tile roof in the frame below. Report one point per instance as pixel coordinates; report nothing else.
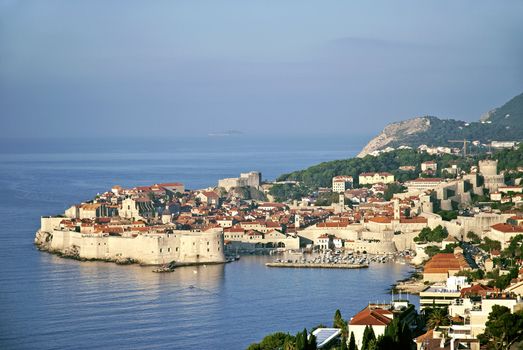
(443, 262)
(371, 317)
(506, 228)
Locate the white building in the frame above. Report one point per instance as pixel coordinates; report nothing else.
(378, 319)
(475, 312)
(429, 165)
(342, 183)
(375, 178)
(323, 242)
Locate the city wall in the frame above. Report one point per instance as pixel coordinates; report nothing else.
(184, 247)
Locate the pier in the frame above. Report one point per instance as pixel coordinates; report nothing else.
(317, 265)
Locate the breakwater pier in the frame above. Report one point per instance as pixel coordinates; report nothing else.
(316, 265)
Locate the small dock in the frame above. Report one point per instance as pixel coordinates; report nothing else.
(317, 265)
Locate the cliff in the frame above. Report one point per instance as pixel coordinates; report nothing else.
(501, 124)
(395, 132)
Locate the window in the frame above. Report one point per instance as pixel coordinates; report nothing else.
(161, 250)
(208, 250)
(176, 248)
(169, 250)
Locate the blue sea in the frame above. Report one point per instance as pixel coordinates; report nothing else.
(51, 303)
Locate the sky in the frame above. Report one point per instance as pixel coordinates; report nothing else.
(72, 68)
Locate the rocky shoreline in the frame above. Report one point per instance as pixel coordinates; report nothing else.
(413, 284)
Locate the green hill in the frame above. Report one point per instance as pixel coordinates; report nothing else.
(501, 124)
(321, 175)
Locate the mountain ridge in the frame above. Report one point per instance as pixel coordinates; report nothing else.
(504, 123)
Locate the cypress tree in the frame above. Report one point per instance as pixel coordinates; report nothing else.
(301, 342)
(352, 342)
(368, 336)
(312, 344)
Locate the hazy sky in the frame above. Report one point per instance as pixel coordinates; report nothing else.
(81, 68)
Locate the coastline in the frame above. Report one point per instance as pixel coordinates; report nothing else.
(411, 284)
(125, 261)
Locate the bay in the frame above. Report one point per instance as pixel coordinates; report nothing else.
(53, 303)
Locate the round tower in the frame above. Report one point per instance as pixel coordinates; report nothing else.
(488, 167)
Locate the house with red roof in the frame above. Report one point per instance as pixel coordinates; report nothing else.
(375, 317)
(209, 198)
(444, 265)
(505, 232)
(378, 317)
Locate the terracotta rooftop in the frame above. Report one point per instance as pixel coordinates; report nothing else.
(443, 262)
(507, 228)
(371, 317)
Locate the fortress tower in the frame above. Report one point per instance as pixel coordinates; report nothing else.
(489, 170)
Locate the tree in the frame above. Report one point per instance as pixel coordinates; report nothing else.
(384, 342)
(438, 234)
(311, 343)
(304, 342)
(448, 215)
(503, 328)
(301, 340)
(490, 244)
(340, 323)
(474, 238)
(437, 317)
(515, 249)
(273, 342)
(289, 344)
(338, 320)
(392, 189)
(352, 342)
(368, 337)
(343, 345)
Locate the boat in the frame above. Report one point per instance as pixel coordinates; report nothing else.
(166, 268)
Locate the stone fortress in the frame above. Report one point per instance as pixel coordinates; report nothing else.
(250, 179)
(126, 225)
(150, 248)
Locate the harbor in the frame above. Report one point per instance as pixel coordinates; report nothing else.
(333, 260)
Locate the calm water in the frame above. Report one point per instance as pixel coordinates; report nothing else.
(52, 303)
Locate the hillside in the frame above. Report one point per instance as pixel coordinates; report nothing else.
(321, 175)
(501, 124)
